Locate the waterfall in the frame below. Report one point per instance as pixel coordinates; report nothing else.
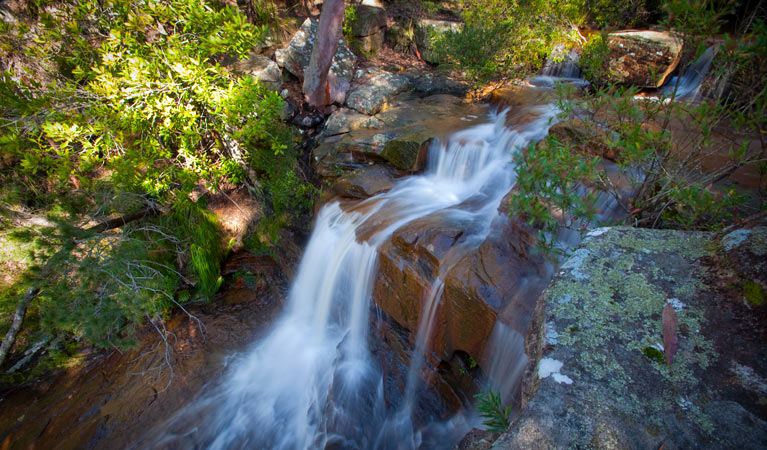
(311, 381)
(688, 84)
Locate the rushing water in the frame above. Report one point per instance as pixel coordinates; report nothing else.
(312, 381)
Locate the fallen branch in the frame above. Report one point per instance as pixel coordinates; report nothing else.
(18, 319)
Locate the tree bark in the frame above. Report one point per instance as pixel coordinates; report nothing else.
(18, 319)
(316, 88)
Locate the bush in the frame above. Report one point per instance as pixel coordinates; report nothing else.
(137, 111)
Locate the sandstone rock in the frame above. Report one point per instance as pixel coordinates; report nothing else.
(340, 152)
(481, 285)
(369, 28)
(295, 59)
(375, 90)
(262, 69)
(427, 31)
(365, 182)
(643, 58)
(603, 381)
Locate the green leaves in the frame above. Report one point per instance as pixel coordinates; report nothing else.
(492, 410)
(549, 190)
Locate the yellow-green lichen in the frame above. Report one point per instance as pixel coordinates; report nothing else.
(612, 296)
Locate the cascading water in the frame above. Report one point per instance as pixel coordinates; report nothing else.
(311, 381)
(687, 86)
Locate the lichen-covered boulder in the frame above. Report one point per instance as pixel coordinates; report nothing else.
(296, 56)
(427, 31)
(604, 379)
(374, 90)
(643, 58)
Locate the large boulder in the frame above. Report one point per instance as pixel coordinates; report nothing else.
(604, 378)
(643, 58)
(428, 32)
(296, 56)
(374, 91)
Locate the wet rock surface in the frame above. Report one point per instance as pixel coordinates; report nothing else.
(365, 182)
(604, 381)
(500, 277)
(405, 127)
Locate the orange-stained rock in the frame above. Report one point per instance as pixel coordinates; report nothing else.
(500, 277)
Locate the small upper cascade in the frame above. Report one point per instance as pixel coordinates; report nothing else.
(687, 86)
(562, 63)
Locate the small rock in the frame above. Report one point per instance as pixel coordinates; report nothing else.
(261, 68)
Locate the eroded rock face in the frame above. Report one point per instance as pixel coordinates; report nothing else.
(643, 58)
(295, 59)
(500, 277)
(603, 378)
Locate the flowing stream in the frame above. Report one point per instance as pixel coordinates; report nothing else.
(311, 381)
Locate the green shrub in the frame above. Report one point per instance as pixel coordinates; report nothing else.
(135, 109)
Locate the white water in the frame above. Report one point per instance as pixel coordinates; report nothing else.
(311, 382)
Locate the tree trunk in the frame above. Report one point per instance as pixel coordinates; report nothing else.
(316, 88)
(18, 319)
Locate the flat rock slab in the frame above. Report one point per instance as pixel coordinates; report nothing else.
(604, 380)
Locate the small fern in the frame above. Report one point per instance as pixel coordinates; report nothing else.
(492, 410)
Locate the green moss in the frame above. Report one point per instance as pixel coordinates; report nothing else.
(654, 354)
(753, 293)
